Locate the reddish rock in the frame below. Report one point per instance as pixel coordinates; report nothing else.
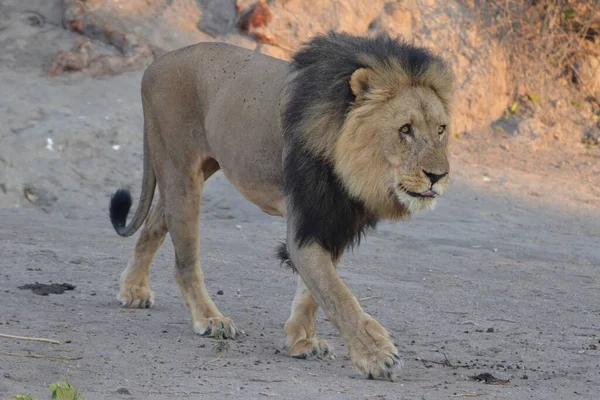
(258, 15)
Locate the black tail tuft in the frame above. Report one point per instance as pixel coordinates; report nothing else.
(284, 256)
(120, 204)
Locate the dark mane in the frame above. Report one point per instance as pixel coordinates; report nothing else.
(324, 66)
(322, 209)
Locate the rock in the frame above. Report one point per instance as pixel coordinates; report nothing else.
(98, 23)
(76, 59)
(531, 128)
(258, 15)
(278, 28)
(218, 16)
(39, 196)
(396, 18)
(253, 21)
(591, 138)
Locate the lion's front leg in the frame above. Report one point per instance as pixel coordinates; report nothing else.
(301, 338)
(369, 344)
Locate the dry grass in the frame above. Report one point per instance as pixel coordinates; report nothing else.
(544, 39)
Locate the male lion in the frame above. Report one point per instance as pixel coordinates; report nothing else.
(353, 131)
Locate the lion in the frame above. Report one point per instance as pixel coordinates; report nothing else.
(354, 130)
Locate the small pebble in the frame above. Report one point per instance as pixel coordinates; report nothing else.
(123, 391)
(220, 292)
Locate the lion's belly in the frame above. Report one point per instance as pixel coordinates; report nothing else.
(268, 198)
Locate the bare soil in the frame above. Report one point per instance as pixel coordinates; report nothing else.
(502, 278)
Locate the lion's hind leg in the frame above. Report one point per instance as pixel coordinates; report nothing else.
(135, 279)
(301, 339)
(183, 193)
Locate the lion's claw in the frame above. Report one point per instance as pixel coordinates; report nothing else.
(311, 348)
(216, 326)
(135, 296)
(373, 352)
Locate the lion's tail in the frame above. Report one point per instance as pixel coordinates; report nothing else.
(120, 203)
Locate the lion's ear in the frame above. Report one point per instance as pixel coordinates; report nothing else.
(359, 81)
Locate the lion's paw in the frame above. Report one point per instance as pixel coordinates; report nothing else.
(216, 326)
(311, 348)
(135, 296)
(373, 352)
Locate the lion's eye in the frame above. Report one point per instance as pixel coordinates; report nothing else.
(441, 129)
(406, 129)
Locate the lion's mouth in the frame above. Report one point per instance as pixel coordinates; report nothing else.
(430, 194)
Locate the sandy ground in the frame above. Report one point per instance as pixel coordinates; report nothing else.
(502, 277)
(439, 283)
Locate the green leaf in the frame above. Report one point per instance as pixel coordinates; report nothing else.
(23, 396)
(534, 98)
(514, 106)
(64, 391)
(569, 13)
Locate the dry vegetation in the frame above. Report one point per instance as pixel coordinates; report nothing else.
(553, 47)
(547, 39)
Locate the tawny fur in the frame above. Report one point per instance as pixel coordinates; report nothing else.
(213, 106)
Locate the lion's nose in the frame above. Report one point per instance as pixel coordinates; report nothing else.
(434, 177)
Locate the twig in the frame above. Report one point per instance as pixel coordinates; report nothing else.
(181, 392)
(34, 355)
(368, 298)
(277, 43)
(424, 360)
(31, 339)
(266, 380)
(502, 320)
(589, 354)
(445, 363)
(468, 395)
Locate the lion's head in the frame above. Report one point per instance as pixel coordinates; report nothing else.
(367, 118)
(392, 147)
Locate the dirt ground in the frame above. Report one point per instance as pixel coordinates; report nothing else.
(502, 277)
